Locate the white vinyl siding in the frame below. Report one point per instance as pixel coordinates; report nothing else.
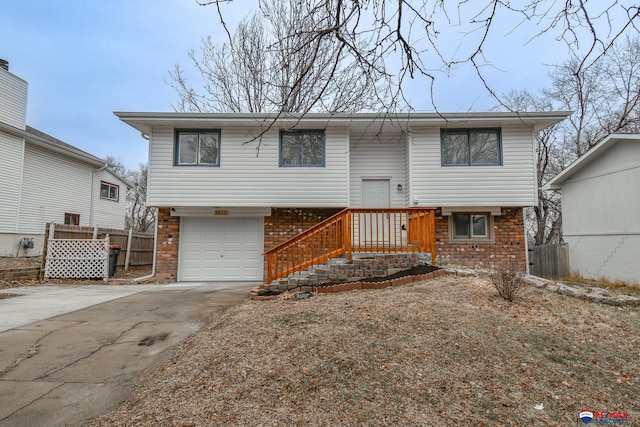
(379, 159)
(52, 185)
(248, 176)
(407, 172)
(607, 189)
(600, 208)
(13, 108)
(10, 174)
(511, 184)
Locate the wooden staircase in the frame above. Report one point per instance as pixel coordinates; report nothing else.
(360, 230)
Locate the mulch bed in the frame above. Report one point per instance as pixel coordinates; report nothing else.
(414, 271)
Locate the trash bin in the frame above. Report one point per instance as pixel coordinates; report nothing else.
(114, 251)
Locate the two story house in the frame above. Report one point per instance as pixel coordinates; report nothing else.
(231, 187)
(47, 180)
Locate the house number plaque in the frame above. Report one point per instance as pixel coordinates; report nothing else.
(221, 212)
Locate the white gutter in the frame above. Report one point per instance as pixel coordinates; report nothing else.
(155, 246)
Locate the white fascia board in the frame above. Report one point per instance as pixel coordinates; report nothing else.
(145, 121)
(556, 182)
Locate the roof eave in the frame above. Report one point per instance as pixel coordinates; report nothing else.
(556, 182)
(48, 145)
(145, 121)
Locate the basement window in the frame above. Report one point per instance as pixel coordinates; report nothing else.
(471, 227)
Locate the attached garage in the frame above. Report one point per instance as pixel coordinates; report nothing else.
(216, 249)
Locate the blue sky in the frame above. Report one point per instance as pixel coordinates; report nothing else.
(85, 59)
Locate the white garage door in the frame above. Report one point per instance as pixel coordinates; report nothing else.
(216, 249)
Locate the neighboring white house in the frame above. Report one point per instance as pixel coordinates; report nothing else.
(601, 210)
(47, 180)
(230, 186)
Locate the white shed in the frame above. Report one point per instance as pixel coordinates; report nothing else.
(601, 210)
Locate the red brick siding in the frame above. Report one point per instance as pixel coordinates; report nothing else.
(285, 223)
(509, 243)
(167, 246)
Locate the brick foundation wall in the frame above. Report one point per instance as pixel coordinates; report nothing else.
(167, 250)
(509, 243)
(284, 223)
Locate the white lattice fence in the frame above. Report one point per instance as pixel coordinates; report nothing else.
(77, 258)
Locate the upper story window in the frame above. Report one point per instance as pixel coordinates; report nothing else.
(197, 148)
(109, 191)
(471, 147)
(71, 219)
(302, 148)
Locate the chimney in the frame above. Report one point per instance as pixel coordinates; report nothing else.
(4, 64)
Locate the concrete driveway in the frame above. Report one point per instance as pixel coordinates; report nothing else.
(71, 353)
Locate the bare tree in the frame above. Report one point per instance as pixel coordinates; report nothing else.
(605, 96)
(605, 99)
(268, 65)
(139, 216)
(544, 222)
(416, 35)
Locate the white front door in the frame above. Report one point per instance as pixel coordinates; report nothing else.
(373, 228)
(376, 193)
(221, 249)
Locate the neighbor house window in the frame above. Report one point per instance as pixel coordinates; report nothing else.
(72, 219)
(197, 148)
(471, 226)
(471, 147)
(109, 191)
(302, 148)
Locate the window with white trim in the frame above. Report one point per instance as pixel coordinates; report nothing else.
(302, 148)
(471, 227)
(197, 147)
(471, 147)
(109, 191)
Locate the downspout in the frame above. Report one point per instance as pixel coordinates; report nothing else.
(526, 243)
(155, 248)
(155, 235)
(91, 202)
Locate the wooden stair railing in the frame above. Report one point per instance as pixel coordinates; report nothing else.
(355, 230)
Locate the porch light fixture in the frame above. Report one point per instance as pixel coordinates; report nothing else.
(399, 187)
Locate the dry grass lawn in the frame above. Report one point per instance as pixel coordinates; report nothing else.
(442, 352)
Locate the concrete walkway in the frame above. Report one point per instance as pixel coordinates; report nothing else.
(71, 353)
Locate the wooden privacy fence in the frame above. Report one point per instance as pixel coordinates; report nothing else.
(549, 261)
(136, 251)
